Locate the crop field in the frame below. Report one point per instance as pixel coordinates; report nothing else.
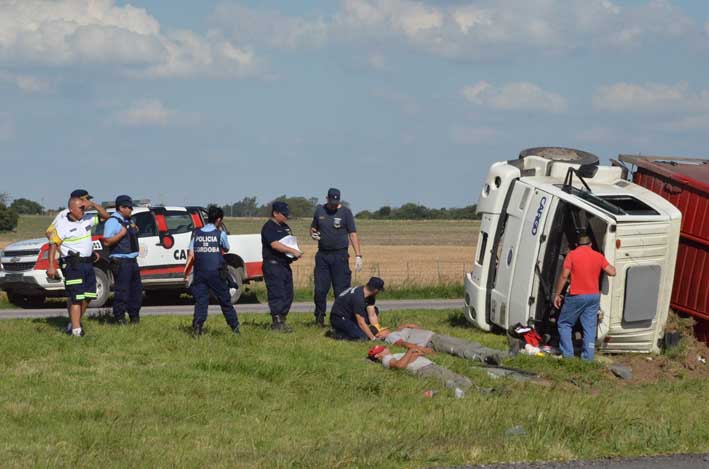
(151, 396)
(403, 252)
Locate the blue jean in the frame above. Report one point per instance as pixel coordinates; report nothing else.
(331, 268)
(346, 329)
(202, 283)
(279, 287)
(127, 290)
(584, 308)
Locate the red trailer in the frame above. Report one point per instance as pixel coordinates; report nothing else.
(685, 183)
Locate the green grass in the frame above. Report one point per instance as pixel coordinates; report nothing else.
(28, 227)
(256, 292)
(373, 232)
(151, 396)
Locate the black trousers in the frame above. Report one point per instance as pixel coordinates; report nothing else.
(331, 269)
(279, 284)
(128, 289)
(202, 284)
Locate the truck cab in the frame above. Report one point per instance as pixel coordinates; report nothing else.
(533, 210)
(164, 237)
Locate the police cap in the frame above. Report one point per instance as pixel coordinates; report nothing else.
(124, 201)
(80, 194)
(280, 207)
(333, 194)
(375, 283)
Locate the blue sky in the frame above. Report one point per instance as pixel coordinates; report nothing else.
(390, 100)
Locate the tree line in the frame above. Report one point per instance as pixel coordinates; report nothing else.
(9, 214)
(248, 207)
(303, 207)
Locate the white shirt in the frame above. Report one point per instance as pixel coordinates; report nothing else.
(414, 336)
(74, 236)
(413, 367)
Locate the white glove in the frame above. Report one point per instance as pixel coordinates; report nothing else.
(358, 263)
(315, 235)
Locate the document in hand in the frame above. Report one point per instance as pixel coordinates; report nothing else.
(291, 242)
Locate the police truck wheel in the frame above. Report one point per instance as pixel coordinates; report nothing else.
(103, 288)
(237, 274)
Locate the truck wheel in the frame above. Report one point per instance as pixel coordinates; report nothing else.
(569, 155)
(103, 288)
(26, 301)
(237, 274)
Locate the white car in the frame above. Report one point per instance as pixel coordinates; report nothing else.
(164, 237)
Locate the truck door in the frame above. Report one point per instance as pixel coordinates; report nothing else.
(169, 260)
(516, 255)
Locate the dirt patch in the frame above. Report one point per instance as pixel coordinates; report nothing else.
(687, 361)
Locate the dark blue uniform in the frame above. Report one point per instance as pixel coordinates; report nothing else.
(276, 269)
(348, 304)
(128, 287)
(207, 244)
(332, 261)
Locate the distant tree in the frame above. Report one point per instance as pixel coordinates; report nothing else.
(8, 218)
(27, 207)
(413, 211)
(4, 198)
(246, 207)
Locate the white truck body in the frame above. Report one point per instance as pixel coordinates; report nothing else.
(529, 223)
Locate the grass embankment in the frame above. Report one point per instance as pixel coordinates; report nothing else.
(151, 396)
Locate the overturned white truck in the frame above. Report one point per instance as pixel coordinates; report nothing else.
(533, 209)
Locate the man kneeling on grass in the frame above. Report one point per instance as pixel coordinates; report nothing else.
(412, 336)
(413, 360)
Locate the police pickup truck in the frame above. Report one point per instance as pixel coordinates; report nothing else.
(164, 237)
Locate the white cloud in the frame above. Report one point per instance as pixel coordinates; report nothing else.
(270, 27)
(7, 127)
(97, 31)
(521, 96)
(26, 83)
(148, 113)
(650, 97)
(472, 135)
(468, 30)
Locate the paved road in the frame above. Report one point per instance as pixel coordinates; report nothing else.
(187, 309)
(678, 461)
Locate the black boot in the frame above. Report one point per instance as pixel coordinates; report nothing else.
(320, 320)
(236, 330)
(279, 324)
(196, 330)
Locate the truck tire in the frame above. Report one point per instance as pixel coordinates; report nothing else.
(25, 301)
(237, 274)
(103, 288)
(569, 155)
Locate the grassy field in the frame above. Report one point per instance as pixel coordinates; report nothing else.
(409, 255)
(151, 396)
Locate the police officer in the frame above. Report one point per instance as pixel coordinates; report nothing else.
(277, 258)
(333, 227)
(354, 312)
(121, 236)
(71, 234)
(210, 271)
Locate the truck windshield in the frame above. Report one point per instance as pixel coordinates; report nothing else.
(594, 200)
(615, 204)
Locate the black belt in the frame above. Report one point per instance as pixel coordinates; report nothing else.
(84, 260)
(124, 259)
(333, 251)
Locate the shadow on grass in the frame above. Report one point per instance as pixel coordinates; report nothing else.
(56, 322)
(458, 319)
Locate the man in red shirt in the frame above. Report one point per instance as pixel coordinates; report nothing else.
(583, 300)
